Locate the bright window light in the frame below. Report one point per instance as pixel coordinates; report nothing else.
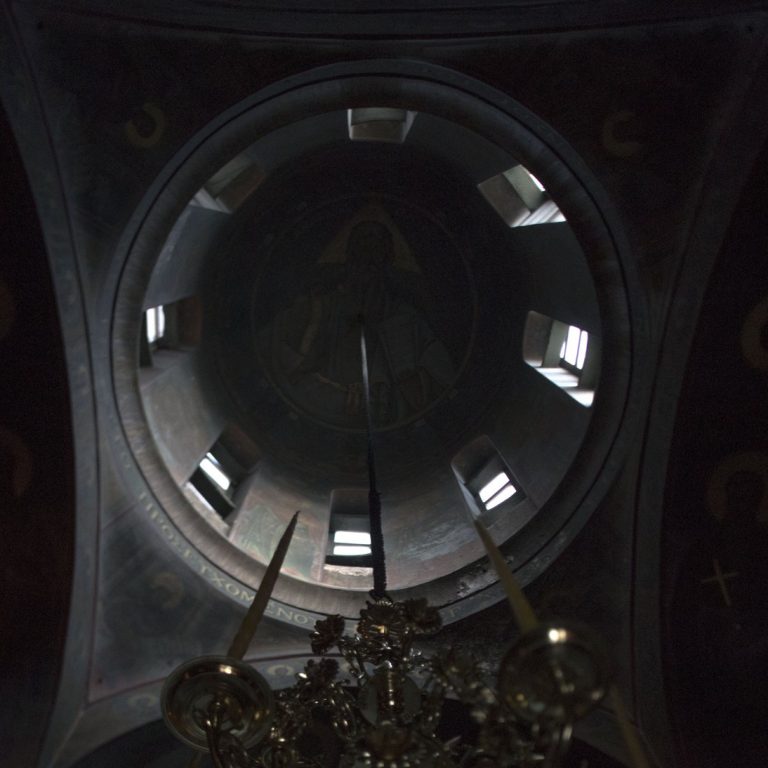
(155, 324)
(352, 537)
(505, 493)
(586, 397)
(559, 375)
(571, 351)
(574, 348)
(496, 491)
(520, 198)
(562, 353)
(493, 487)
(349, 550)
(568, 382)
(211, 467)
(536, 182)
(582, 356)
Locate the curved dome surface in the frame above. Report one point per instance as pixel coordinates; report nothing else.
(491, 294)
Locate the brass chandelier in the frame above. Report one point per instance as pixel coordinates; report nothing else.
(372, 700)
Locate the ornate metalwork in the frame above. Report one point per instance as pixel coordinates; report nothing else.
(230, 694)
(382, 706)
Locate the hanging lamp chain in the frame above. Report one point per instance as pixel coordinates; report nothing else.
(551, 677)
(374, 498)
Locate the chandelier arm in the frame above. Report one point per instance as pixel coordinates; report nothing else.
(211, 727)
(239, 646)
(524, 614)
(635, 749)
(374, 498)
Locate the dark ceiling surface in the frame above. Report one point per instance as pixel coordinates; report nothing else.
(663, 110)
(350, 19)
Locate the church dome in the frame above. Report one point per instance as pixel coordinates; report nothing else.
(467, 236)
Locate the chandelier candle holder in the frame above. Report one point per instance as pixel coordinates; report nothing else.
(382, 707)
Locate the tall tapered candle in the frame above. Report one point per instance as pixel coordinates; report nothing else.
(635, 749)
(524, 615)
(252, 618)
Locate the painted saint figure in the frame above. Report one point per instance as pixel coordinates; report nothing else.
(318, 337)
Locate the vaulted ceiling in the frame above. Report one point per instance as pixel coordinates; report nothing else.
(475, 180)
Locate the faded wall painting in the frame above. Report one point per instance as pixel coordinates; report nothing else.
(311, 347)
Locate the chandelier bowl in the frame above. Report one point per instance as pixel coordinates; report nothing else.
(217, 686)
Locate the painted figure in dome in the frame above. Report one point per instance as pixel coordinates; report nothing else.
(318, 337)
